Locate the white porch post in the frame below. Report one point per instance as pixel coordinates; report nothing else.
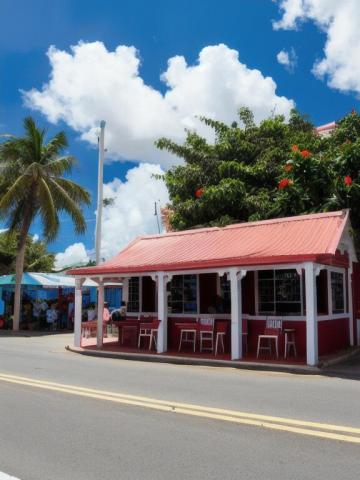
(311, 314)
(162, 338)
(236, 312)
(125, 290)
(350, 309)
(100, 314)
(78, 312)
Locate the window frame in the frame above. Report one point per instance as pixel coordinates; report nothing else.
(275, 302)
(130, 301)
(332, 305)
(181, 289)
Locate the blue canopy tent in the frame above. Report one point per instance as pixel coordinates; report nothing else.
(50, 287)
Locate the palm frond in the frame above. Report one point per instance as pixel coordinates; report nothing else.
(60, 165)
(75, 191)
(15, 194)
(63, 201)
(48, 211)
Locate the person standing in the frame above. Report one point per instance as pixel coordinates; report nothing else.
(106, 317)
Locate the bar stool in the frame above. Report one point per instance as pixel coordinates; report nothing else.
(272, 333)
(206, 330)
(289, 341)
(187, 335)
(221, 330)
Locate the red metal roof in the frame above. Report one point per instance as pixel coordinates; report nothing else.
(283, 240)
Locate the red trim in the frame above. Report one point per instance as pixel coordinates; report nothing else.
(327, 259)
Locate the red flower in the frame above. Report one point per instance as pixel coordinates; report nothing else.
(353, 111)
(295, 148)
(285, 182)
(199, 192)
(305, 153)
(348, 180)
(288, 167)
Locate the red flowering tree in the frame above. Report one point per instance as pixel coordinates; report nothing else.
(257, 171)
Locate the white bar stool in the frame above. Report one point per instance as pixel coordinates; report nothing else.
(187, 336)
(289, 341)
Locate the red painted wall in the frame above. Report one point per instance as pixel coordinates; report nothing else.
(356, 295)
(333, 335)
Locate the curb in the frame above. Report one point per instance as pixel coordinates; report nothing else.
(143, 357)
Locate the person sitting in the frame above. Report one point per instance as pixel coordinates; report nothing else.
(120, 313)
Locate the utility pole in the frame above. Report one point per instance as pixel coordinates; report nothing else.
(100, 192)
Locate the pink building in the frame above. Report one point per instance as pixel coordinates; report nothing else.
(279, 289)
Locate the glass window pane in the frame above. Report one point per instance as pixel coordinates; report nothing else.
(279, 292)
(183, 294)
(337, 292)
(134, 295)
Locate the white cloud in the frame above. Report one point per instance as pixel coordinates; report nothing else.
(288, 59)
(340, 65)
(131, 212)
(73, 255)
(35, 238)
(90, 83)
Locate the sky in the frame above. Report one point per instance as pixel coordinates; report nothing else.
(149, 68)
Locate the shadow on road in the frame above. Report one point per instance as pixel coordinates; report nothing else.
(348, 369)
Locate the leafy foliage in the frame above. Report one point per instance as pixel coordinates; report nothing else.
(33, 185)
(37, 257)
(32, 181)
(274, 169)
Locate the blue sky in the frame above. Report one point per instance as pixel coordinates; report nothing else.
(159, 30)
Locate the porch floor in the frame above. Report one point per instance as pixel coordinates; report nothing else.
(111, 345)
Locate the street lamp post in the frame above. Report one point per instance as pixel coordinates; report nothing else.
(100, 192)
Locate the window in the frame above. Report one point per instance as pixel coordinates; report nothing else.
(279, 292)
(225, 294)
(134, 295)
(183, 297)
(337, 292)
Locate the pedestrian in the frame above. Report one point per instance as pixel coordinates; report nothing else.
(106, 317)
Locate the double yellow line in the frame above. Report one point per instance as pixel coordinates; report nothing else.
(302, 427)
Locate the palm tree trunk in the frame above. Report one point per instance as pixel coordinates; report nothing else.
(19, 267)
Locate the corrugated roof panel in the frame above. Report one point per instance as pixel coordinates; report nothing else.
(284, 239)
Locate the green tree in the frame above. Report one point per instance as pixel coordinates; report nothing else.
(253, 172)
(37, 258)
(33, 186)
(237, 174)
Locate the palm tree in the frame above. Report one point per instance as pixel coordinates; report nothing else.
(33, 186)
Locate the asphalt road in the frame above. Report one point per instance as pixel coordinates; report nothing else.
(48, 434)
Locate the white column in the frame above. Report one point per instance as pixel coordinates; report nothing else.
(100, 314)
(125, 290)
(236, 313)
(350, 309)
(77, 312)
(162, 280)
(311, 315)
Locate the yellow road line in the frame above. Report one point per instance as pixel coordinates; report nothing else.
(315, 429)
